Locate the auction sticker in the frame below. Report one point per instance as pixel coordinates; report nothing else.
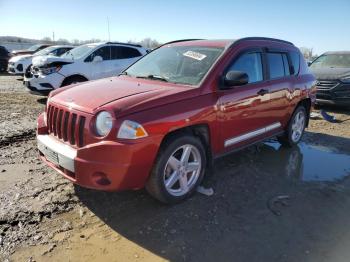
(194, 55)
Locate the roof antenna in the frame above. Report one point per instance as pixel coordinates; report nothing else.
(109, 35)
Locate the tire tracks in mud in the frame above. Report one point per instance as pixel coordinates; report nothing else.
(40, 196)
(21, 137)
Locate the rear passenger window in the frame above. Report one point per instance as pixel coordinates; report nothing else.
(249, 63)
(104, 52)
(123, 52)
(276, 66)
(61, 51)
(295, 57)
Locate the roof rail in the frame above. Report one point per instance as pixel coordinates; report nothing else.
(121, 43)
(181, 40)
(263, 38)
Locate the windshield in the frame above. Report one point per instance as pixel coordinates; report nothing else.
(334, 60)
(176, 64)
(45, 51)
(34, 47)
(79, 52)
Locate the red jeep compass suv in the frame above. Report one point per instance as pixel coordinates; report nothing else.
(162, 121)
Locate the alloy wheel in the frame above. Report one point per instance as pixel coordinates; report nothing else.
(182, 170)
(298, 126)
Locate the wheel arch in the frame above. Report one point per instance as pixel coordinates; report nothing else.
(201, 131)
(67, 78)
(306, 102)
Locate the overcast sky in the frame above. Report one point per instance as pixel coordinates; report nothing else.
(322, 25)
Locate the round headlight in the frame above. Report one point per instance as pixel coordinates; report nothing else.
(103, 123)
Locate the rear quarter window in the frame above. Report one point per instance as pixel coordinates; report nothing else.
(295, 59)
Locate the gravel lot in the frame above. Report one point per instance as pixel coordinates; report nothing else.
(270, 203)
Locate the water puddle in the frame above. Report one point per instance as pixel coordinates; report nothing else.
(307, 162)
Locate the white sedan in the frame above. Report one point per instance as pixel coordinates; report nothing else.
(20, 64)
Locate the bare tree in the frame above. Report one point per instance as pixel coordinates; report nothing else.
(46, 40)
(62, 41)
(146, 42)
(307, 52)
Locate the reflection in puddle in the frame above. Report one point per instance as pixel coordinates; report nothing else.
(307, 162)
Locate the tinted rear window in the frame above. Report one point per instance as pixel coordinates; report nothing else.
(123, 52)
(276, 66)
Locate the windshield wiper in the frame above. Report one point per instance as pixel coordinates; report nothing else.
(123, 73)
(154, 77)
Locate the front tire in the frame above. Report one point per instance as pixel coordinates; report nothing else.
(179, 169)
(295, 128)
(27, 72)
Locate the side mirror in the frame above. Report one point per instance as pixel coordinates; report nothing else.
(236, 78)
(97, 59)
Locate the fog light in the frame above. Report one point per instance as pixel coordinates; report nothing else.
(101, 179)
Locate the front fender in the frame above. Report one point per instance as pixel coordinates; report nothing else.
(41, 124)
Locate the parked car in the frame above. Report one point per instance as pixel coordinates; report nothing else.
(83, 63)
(30, 50)
(20, 64)
(161, 122)
(332, 70)
(4, 57)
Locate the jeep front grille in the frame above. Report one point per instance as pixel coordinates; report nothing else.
(65, 125)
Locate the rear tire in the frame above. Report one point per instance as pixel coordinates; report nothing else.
(295, 129)
(178, 170)
(73, 80)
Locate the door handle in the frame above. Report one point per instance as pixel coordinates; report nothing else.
(262, 92)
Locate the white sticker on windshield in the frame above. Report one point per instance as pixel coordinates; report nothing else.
(195, 55)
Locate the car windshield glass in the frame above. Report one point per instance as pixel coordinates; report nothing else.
(45, 51)
(332, 60)
(79, 52)
(176, 64)
(33, 47)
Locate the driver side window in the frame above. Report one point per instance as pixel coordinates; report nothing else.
(104, 52)
(249, 63)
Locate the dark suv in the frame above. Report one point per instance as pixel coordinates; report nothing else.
(161, 122)
(332, 70)
(4, 57)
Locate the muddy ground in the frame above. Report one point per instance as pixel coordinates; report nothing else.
(270, 203)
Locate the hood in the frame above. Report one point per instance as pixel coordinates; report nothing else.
(20, 57)
(49, 59)
(22, 52)
(330, 73)
(124, 92)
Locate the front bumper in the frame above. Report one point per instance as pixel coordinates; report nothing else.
(44, 83)
(103, 165)
(15, 68)
(333, 92)
(57, 153)
(33, 90)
